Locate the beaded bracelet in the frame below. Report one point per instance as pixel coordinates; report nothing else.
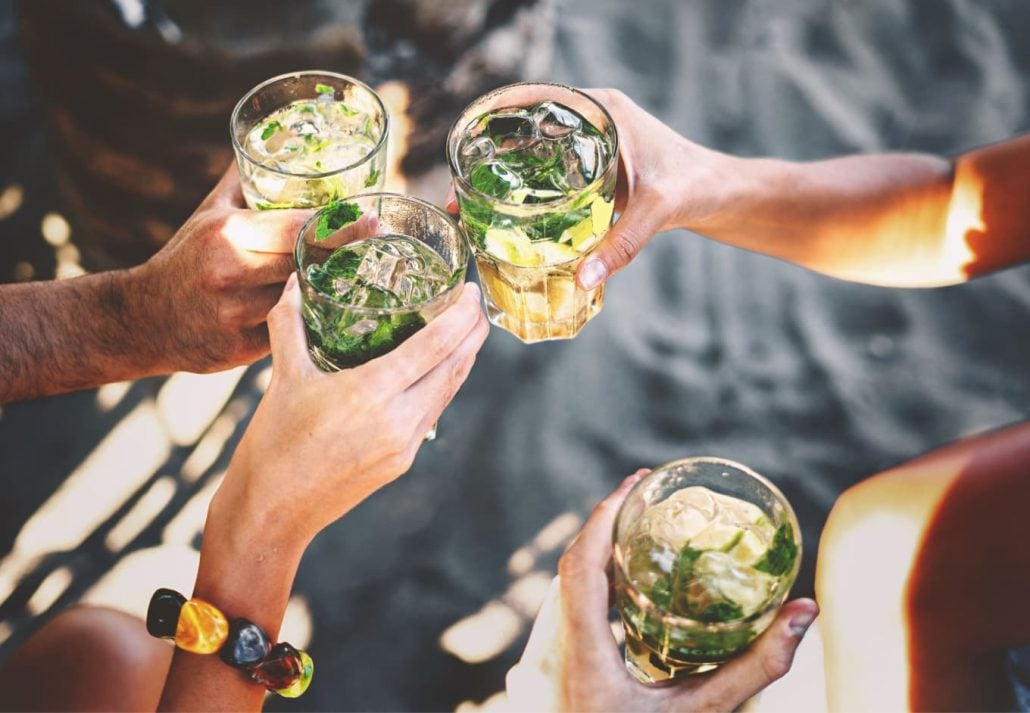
(199, 627)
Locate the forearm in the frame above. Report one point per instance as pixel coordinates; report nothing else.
(247, 571)
(876, 219)
(72, 334)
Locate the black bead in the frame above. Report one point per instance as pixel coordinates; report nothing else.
(163, 613)
(246, 645)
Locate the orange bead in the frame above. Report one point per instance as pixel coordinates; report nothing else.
(202, 629)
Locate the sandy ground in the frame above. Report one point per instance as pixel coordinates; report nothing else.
(421, 598)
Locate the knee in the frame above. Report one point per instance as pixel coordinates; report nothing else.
(102, 657)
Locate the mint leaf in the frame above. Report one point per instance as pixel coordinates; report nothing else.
(324, 89)
(721, 611)
(334, 216)
(270, 129)
(780, 556)
(346, 110)
(372, 178)
(493, 180)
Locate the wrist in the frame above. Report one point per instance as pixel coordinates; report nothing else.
(247, 564)
(129, 299)
(747, 186)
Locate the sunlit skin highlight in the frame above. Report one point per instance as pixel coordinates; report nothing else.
(923, 579)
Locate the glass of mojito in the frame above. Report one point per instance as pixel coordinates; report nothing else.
(373, 270)
(534, 168)
(706, 551)
(306, 138)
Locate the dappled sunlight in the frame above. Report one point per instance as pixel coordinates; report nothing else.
(555, 534)
(53, 586)
(10, 200)
(494, 704)
(189, 521)
(209, 448)
(965, 215)
(297, 622)
(128, 585)
(91, 494)
(110, 395)
(142, 513)
(483, 635)
(188, 403)
(489, 632)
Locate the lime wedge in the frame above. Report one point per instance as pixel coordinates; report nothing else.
(601, 212)
(512, 246)
(749, 549)
(717, 536)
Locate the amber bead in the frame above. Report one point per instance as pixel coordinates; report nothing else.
(301, 684)
(202, 628)
(246, 645)
(163, 613)
(280, 669)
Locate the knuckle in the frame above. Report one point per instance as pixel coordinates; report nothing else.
(626, 245)
(776, 665)
(218, 278)
(570, 565)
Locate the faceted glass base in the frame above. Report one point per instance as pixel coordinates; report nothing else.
(649, 668)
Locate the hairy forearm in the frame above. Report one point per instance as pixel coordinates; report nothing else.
(72, 334)
(247, 571)
(877, 219)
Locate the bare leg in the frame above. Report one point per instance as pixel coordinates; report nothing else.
(923, 579)
(87, 658)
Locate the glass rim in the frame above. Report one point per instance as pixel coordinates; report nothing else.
(241, 151)
(452, 159)
(645, 602)
(462, 243)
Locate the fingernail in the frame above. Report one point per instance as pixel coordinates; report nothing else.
(592, 274)
(473, 289)
(291, 281)
(800, 623)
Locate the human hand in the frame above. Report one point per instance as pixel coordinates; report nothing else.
(571, 661)
(200, 303)
(660, 174)
(320, 443)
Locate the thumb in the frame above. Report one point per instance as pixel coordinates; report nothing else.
(768, 659)
(286, 333)
(634, 229)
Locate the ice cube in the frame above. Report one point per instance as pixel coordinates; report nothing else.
(555, 121)
(718, 578)
(673, 524)
(342, 285)
(582, 156)
(382, 266)
(495, 180)
(363, 327)
(478, 150)
(512, 130)
(697, 497)
(304, 127)
(373, 297)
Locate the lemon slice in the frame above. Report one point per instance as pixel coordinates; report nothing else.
(601, 212)
(512, 246)
(553, 253)
(579, 234)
